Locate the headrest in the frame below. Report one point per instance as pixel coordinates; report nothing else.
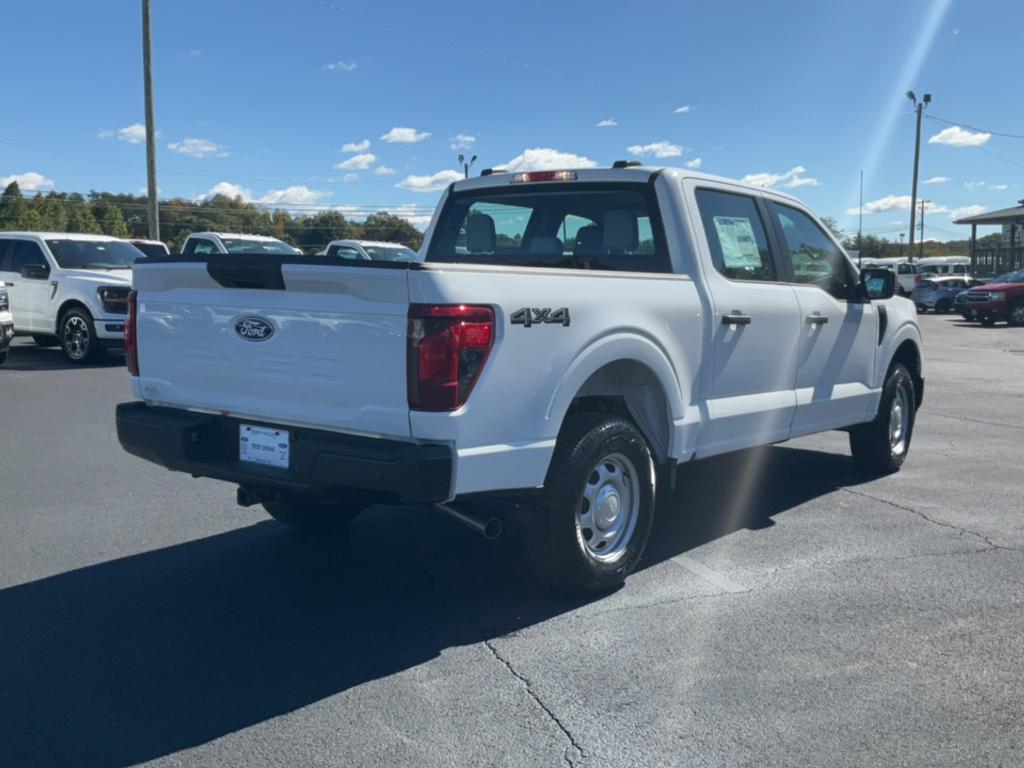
(589, 241)
(621, 232)
(545, 246)
(480, 237)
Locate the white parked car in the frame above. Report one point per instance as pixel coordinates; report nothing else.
(68, 289)
(945, 265)
(6, 322)
(369, 250)
(151, 248)
(205, 243)
(571, 337)
(908, 274)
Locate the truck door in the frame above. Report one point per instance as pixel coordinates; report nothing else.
(754, 324)
(839, 332)
(29, 295)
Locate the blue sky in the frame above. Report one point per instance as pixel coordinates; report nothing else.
(261, 98)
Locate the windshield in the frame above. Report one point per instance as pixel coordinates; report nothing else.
(94, 254)
(152, 250)
(571, 226)
(391, 253)
(247, 245)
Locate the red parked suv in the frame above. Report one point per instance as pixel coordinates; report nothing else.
(997, 301)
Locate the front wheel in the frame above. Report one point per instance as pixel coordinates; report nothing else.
(597, 507)
(1016, 314)
(880, 446)
(311, 515)
(78, 336)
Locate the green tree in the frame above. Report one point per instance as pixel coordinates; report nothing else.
(394, 229)
(80, 216)
(111, 220)
(12, 207)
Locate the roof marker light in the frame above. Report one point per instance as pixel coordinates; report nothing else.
(523, 178)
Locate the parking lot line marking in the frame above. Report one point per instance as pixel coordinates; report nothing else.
(709, 575)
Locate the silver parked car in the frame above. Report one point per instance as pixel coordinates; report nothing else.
(939, 293)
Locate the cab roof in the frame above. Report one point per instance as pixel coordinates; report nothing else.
(65, 236)
(240, 235)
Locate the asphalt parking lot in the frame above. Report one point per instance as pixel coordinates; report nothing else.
(790, 612)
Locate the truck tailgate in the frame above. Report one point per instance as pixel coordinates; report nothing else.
(307, 344)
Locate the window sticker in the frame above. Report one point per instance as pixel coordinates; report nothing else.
(739, 246)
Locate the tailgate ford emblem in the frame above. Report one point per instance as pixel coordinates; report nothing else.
(254, 328)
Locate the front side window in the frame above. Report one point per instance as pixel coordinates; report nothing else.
(565, 225)
(344, 252)
(245, 245)
(26, 253)
(390, 253)
(200, 246)
(94, 254)
(814, 258)
(736, 235)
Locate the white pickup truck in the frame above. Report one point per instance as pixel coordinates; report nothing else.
(570, 336)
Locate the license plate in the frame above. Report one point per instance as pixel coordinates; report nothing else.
(263, 445)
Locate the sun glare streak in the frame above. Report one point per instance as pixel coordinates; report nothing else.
(907, 79)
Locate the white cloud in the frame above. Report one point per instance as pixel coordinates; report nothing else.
(411, 214)
(657, 148)
(998, 186)
(106, 133)
(28, 182)
(895, 203)
(683, 110)
(341, 66)
(228, 190)
(359, 162)
(133, 134)
(791, 179)
(545, 159)
(955, 136)
(198, 148)
(432, 183)
(292, 195)
(461, 141)
(349, 177)
(936, 180)
(611, 122)
(965, 211)
(384, 170)
(356, 146)
(973, 185)
(195, 53)
(404, 136)
(695, 163)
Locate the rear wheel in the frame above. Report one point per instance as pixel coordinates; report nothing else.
(311, 515)
(598, 505)
(944, 306)
(880, 446)
(1016, 314)
(44, 340)
(78, 336)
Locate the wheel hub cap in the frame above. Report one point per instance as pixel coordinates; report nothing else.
(608, 511)
(899, 417)
(76, 337)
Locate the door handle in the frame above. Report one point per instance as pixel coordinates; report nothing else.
(736, 318)
(816, 319)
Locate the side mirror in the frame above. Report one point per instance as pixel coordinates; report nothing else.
(877, 284)
(35, 271)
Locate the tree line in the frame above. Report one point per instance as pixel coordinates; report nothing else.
(124, 216)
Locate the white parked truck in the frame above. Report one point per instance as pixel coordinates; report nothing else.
(570, 337)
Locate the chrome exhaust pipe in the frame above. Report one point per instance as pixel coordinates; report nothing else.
(490, 529)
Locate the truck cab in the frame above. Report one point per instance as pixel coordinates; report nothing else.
(206, 243)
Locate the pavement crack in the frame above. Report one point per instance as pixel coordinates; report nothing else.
(575, 751)
(942, 523)
(976, 421)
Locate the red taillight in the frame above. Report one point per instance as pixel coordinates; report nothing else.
(917, 279)
(131, 337)
(521, 178)
(448, 346)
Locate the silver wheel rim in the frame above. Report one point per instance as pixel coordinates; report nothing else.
(899, 421)
(607, 513)
(76, 337)
(1017, 314)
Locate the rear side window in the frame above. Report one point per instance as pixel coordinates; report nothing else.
(736, 235)
(573, 226)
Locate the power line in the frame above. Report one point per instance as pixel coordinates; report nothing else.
(973, 128)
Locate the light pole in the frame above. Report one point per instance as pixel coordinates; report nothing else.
(466, 166)
(920, 244)
(919, 107)
(147, 79)
(902, 235)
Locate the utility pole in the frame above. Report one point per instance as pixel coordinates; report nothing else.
(919, 107)
(466, 166)
(920, 244)
(147, 79)
(902, 235)
(860, 223)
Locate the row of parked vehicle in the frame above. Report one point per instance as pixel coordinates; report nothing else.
(71, 289)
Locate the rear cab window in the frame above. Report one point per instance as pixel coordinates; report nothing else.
(605, 226)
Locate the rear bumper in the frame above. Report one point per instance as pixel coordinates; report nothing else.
(325, 464)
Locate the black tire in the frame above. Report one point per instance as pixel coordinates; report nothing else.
(1015, 315)
(43, 340)
(603, 456)
(921, 308)
(988, 322)
(3, 357)
(944, 306)
(311, 515)
(78, 336)
(872, 444)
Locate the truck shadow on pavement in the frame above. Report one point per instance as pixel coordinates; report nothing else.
(26, 356)
(140, 657)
